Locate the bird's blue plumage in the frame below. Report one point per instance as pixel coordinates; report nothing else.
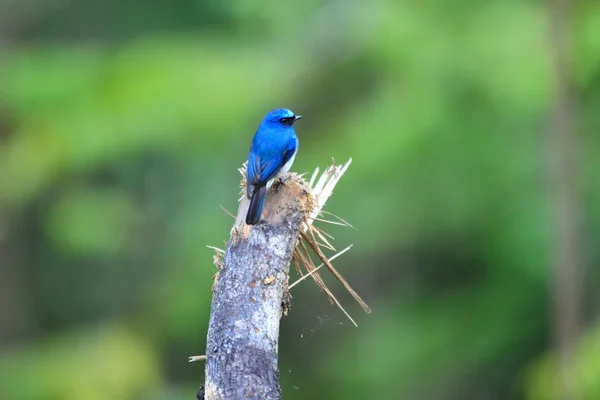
(273, 150)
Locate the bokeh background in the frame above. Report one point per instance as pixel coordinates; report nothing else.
(123, 123)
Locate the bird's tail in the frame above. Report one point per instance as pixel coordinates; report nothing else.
(256, 205)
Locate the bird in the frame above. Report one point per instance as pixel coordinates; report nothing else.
(272, 153)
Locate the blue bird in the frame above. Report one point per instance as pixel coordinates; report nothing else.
(272, 153)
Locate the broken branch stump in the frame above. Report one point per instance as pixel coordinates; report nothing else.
(248, 296)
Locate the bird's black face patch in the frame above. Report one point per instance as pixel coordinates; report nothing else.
(288, 121)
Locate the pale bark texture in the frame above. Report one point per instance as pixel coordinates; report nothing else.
(249, 295)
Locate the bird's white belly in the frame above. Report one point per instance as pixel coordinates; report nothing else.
(284, 169)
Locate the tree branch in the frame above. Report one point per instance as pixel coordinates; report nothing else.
(249, 295)
(568, 285)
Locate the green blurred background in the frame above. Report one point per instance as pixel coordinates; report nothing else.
(123, 123)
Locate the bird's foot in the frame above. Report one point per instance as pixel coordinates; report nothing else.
(280, 183)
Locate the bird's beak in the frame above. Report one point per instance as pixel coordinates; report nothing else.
(297, 117)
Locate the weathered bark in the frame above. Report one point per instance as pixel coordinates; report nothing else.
(248, 296)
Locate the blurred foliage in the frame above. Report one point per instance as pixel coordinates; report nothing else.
(543, 380)
(123, 123)
(84, 365)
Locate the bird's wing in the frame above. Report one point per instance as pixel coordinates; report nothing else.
(253, 169)
(289, 151)
(260, 170)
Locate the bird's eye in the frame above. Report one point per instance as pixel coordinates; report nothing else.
(287, 120)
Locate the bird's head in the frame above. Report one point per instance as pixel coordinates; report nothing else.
(280, 118)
